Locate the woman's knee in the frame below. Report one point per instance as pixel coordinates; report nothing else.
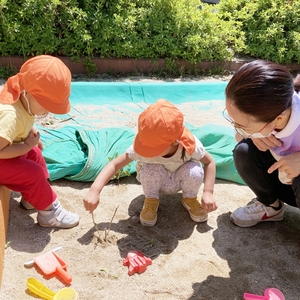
(241, 151)
(246, 155)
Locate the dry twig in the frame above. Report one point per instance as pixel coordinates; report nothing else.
(96, 226)
(107, 232)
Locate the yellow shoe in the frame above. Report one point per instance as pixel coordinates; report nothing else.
(194, 207)
(148, 215)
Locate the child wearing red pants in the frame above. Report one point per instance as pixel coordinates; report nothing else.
(41, 86)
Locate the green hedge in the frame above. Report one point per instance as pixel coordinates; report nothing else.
(124, 28)
(170, 29)
(270, 29)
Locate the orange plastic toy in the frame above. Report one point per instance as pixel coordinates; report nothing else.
(136, 262)
(51, 263)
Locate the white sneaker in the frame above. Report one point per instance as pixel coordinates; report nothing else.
(256, 212)
(57, 217)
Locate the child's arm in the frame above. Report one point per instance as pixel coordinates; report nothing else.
(92, 198)
(208, 201)
(8, 150)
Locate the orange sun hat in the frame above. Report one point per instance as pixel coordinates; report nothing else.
(160, 125)
(46, 78)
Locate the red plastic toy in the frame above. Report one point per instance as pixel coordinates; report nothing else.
(51, 263)
(137, 262)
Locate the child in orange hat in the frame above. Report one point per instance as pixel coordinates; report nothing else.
(41, 86)
(169, 159)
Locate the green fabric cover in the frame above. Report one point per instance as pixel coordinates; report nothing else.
(101, 93)
(219, 141)
(79, 154)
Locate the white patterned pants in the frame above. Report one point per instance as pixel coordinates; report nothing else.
(156, 180)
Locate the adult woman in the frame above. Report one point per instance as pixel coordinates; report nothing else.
(262, 105)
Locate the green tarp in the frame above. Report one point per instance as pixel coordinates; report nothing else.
(79, 154)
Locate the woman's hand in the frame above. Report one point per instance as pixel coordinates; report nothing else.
(264, 144)
(290, 164)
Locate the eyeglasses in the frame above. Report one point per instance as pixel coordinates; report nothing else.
(242, 132)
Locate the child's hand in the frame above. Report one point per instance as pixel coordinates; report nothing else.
(91, 201)
(40, 143)
(208, 202)
(32, 139)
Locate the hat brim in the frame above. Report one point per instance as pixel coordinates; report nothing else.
(148, 152)
(55, 108)
(10, 92)
(187, 140)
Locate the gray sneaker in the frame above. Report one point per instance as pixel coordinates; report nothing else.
(57, 217)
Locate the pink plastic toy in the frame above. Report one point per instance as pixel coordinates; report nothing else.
(136, 262)
(269, 294)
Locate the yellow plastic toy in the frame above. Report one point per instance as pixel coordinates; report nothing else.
(42, 291)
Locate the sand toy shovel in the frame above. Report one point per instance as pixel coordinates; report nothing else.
(42, 291)
(51, 263)
(269, 294)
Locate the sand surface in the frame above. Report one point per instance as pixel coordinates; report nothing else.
(215, 260)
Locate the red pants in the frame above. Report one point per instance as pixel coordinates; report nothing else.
(28, 175)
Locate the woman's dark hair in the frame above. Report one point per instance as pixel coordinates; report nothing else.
(261, 89)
